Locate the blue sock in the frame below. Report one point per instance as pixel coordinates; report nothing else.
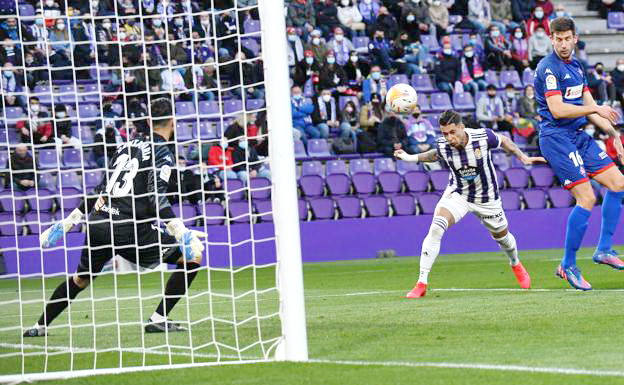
(611, 208)
(575, 230)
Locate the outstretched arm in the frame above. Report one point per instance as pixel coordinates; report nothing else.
(511, 148)
(428, 156)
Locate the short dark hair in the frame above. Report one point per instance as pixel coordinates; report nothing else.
(490, 87)
(449, 117)
(161, 107)
(562, 24)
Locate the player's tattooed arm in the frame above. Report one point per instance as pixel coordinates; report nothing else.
(428, 156)
(511, 148)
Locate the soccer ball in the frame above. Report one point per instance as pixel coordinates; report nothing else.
(401, 99)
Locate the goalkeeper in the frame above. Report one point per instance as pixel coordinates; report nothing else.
(130, 201)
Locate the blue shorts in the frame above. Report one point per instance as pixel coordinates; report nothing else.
(574, 157)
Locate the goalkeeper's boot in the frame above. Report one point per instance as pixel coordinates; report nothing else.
(609, 258)
(572, 274)
(162, 327)
(35, 331)
(522, 276)
(420, 290)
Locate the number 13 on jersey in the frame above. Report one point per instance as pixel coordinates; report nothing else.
(118, 184)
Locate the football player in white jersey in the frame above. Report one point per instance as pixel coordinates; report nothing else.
(472, 188)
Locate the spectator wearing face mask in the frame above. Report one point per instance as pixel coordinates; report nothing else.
(351, 18)
(341, 46)
(9, 53)
(618, 80)
(59, 37)
(519, 51)
(413, 60)
(220, 158)
(332, 76)
(245, 159)
(546, 6)
(307, 70)
(84, 48)
(559, 12)
(11, 85)
(601, 84)
(326, 115)
(51, 12)
(387, 23)
(369, 10)
(475, 41)
(490, 111)
(472, 73)
(22, 168)
(381, 50)
(38, 31)
(326, 16)
(63, 129)
(447, 70)
(302, 110)
(301, 14)
(318, 46)
(357, 69)
(539, 46)
(439, 18)
(38, 127)
(537, 19)
(375, 83)
(497, 50)
(510, 102)
(415, 18)
(479, 13)
(295, 47)
(372, 114)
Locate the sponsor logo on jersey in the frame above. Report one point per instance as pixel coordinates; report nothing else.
(111, 210)
(551, 82)
(602, 155)
(478, 153)
(548, 71)
(165, 173)
(468, 173)
(574, 92)
(567, 76)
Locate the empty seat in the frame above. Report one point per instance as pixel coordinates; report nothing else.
(403, 167)
(560, 197)
(212, 213)
(312, 167)
(360, 43)
(376, 206)
(398, 79)
(492, 78)
(303, 209)
(186, 212)
(184, 109)
(357, 166)
(337, 166)
(403, 204)
(390, 182)
(440, 101)
(439, 179)
(8, 224)
(92, 179)
(511, 199)
(70, 198)
(322, 208)
(264, 210)
(72, 158)
(38, 222)
(41, 200)
(422, 83)
(260, 188)
(364, 184)
(528, 77)
(312, 185)
(318, 148)
(233, 105)
(510, 77)
(383, 164)
(417, 181)
(48, 159)
(235, 189)
(208, 107)
(428, 202)
(239, 212)
(349, 207)
(542, 176)
(300, 151)
(615, 20)
(517, 178)
(338, 184)
(535, 198)
(463, 101)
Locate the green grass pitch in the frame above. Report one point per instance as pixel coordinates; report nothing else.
(355, 313)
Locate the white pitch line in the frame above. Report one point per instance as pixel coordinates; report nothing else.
(452, 365)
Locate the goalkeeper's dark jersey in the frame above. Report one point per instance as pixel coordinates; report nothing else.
(136, 183)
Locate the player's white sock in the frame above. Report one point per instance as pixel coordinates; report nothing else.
(158, 318)
(431, 247)
(508, 245)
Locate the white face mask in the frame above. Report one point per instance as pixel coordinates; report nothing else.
(339, 37)
(539, 15)
(518, 35)
(205, 22)
(368, 1)
(344, 2)
(496, 33)
(106, 25)
(178, 22)
(620, 67)
(309, 60)
(61, 114)
(60, 27)
(469, 54)
(121, 35)
(331, 60)
(560, 13)
(34, 108)
(49, 3)
(157, 22)
(354, 59)
(447, 51)
(292, 37)
(410, 18)
(326, 98)
(510, 94)
(590, 131)
(436, 3)
(7, 73)
(316, 40)
(540, 33)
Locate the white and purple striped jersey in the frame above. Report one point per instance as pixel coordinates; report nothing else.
(472, 172)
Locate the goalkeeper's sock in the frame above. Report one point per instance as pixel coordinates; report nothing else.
(59, 301)
(508, 244)
(575, 231)
(431, 247)
(611, 208)
(175, 289)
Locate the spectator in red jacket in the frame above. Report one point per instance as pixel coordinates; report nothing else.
(215, 159)
(537, 18)
(38, 125)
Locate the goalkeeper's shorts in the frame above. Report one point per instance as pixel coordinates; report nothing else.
(143, 244)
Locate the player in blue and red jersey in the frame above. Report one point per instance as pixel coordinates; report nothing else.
(565, 105)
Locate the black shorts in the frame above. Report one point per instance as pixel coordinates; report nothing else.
(154, 246)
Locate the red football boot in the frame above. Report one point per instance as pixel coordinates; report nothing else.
(522, 276)
(418, 291)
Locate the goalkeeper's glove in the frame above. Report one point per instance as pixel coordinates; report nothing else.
(190, 245)
(55, 232)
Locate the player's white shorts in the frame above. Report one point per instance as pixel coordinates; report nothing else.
(491, 214)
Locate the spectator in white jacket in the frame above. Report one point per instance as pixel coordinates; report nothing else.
(350, 17)
(341, 46)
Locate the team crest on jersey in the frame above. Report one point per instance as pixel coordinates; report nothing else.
(478, 153)
(165, 173)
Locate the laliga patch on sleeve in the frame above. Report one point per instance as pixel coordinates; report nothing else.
(165, 173)
(551, 82)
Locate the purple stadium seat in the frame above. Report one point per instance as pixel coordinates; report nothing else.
(517, 178)
(428, 202)
(528, 76)
(423, 102)
(535, 198)
(312, 185)
(254, 104)
(440, 101)
(260, 188)
(7, 224)
(38, 222)
(439, 179)
(507, 77)
(239, 212)
(457, 42)
(183, 109)
(72, 158)
(40, 201)
(185, 131)
(501, 160)
(560, 197)
(252, 45)
(349, 207)
(336, 167)
(390, 182)
(71, 198)
(338, 184)
(26, 10)
(322, 208)
(86, 111)
(86, 135)
(312, 167)
(463, 101)
(92, 179)
(430, 41)
(235, 189)
(398, 79)
(4, 158)
(207, 130)
(71, 179)
(232, 106)
(9, 204)
(264, 210)
(186, 212)
(303, 210)
(48, 159)
(615, 20)
(383, 164)
(251, 26)
(364, 184)
(300, 151)
(542, 176)
(416, 181)
(492, 78)
(360, 44)
(511, 199)
(318, 148)
(13, 113)
(357, 166)
(48, 181)
(422, 83)
(376, 206)
(403, 204)
(208, 107)
(404, 167)
(212, 213)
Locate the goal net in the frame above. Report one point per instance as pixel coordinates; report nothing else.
(78, 79)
